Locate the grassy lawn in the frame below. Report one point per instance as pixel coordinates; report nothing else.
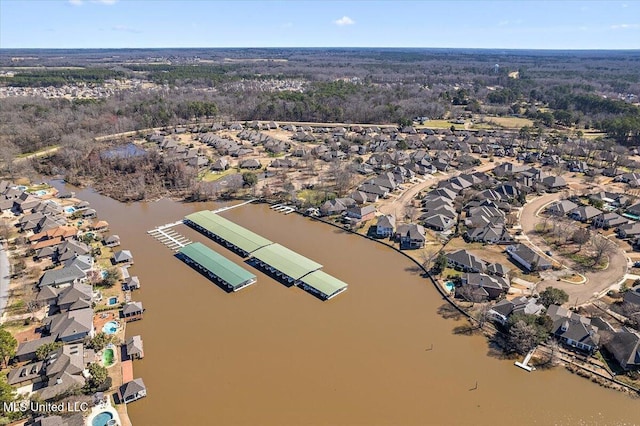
(440, 124)
(450, 272)
(315, 197)
(510, 122)
(210, 176)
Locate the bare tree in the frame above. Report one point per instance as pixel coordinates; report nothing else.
(602, 247)
(581, 236)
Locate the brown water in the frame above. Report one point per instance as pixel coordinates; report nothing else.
(272, 355)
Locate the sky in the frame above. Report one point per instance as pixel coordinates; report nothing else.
(513, 24)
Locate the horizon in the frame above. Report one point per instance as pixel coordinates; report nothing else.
(137, 24)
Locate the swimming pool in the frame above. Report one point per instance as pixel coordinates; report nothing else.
(111, 327)
(102, 419)
(450, 285)
(69, 210)
(40, 192)
(113, 300)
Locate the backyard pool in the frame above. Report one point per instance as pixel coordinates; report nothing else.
(449, 285)
(102, 419)
(69, 210)
(108, 357)
(40, 192)
(111, 327)
(113, 300)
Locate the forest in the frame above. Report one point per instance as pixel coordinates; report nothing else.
(565, 91)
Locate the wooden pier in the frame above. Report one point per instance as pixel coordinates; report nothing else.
(283, 208)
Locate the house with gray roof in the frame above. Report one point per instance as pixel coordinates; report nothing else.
(575, 331)
(489, 235)
(527, 258)
(111, 241)
(494, 286)
(71, 326)
(464, 261)
(27, 350)
(132, 391)
(628, 230)
(62, 277)
(131, 283)
(361, 213)
(584, 213)
(561, 207)
(410, 236)
(132, 311)
(70, 249)
(554, 183)
(122, 256)
(501, 311)
(624, 345)
(386, 225)
(609, 220)
(439, 222)
(134, 347)
(76, 296)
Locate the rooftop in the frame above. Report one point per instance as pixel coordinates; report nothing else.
(286, 261)
(324, 283)
(218, 265)
(234, 234)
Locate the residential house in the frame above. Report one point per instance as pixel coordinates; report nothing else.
(336, 206)
(131, 283)
(632, 296)
(361, 213)
(410, 236)
(386, 225)
(439, 222)
(134, 347)
(624, 345)
(492, 285)
(89, 214)
(464, 261)
(71, 326)
(62, 277)
(100, 226)
(27, 350)
(561, 208)
(220, 164)
(70, 249)
(501, 311)
(584, 213)
(74, 297)
(573, 330)
(252, 164)
(609, 220)
(489, 235)
(132, 391)
(111, 241)
(554, 183)
(527, 258)
(497, 269)
(122, 256)
(132, 311)
(628, 230)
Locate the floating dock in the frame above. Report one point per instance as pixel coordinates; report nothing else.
(218, 268)
(525, 364)
(286, 265)
(231, 235)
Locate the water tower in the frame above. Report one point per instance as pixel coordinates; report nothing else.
(496, 69)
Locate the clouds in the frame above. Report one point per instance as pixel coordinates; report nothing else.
(625, 26)
(344, 21)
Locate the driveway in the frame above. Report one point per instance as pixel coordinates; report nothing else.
(597, 282)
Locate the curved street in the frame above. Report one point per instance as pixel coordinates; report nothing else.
(597, 282)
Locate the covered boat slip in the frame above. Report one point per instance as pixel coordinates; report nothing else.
(322, 284)
(216, 267)
(284, 262)
(227, 232)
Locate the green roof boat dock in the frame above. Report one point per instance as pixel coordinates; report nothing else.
(286, 265)
(231, 276)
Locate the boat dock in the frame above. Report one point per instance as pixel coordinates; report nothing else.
(283, 208)
(525, 364)
(169, 237)
(281, 263)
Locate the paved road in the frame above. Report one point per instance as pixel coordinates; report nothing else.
(397, 205)
(4, 279)
(597, 282)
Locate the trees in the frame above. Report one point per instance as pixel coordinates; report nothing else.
(249, 178)
(7, 395)
(111, 277)
(8, 345)
(100, 341)
(553, 296)
(440, 263)
(602, 247)
(98, 377)
(581, 236)
(527, 331)
(46, 349)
